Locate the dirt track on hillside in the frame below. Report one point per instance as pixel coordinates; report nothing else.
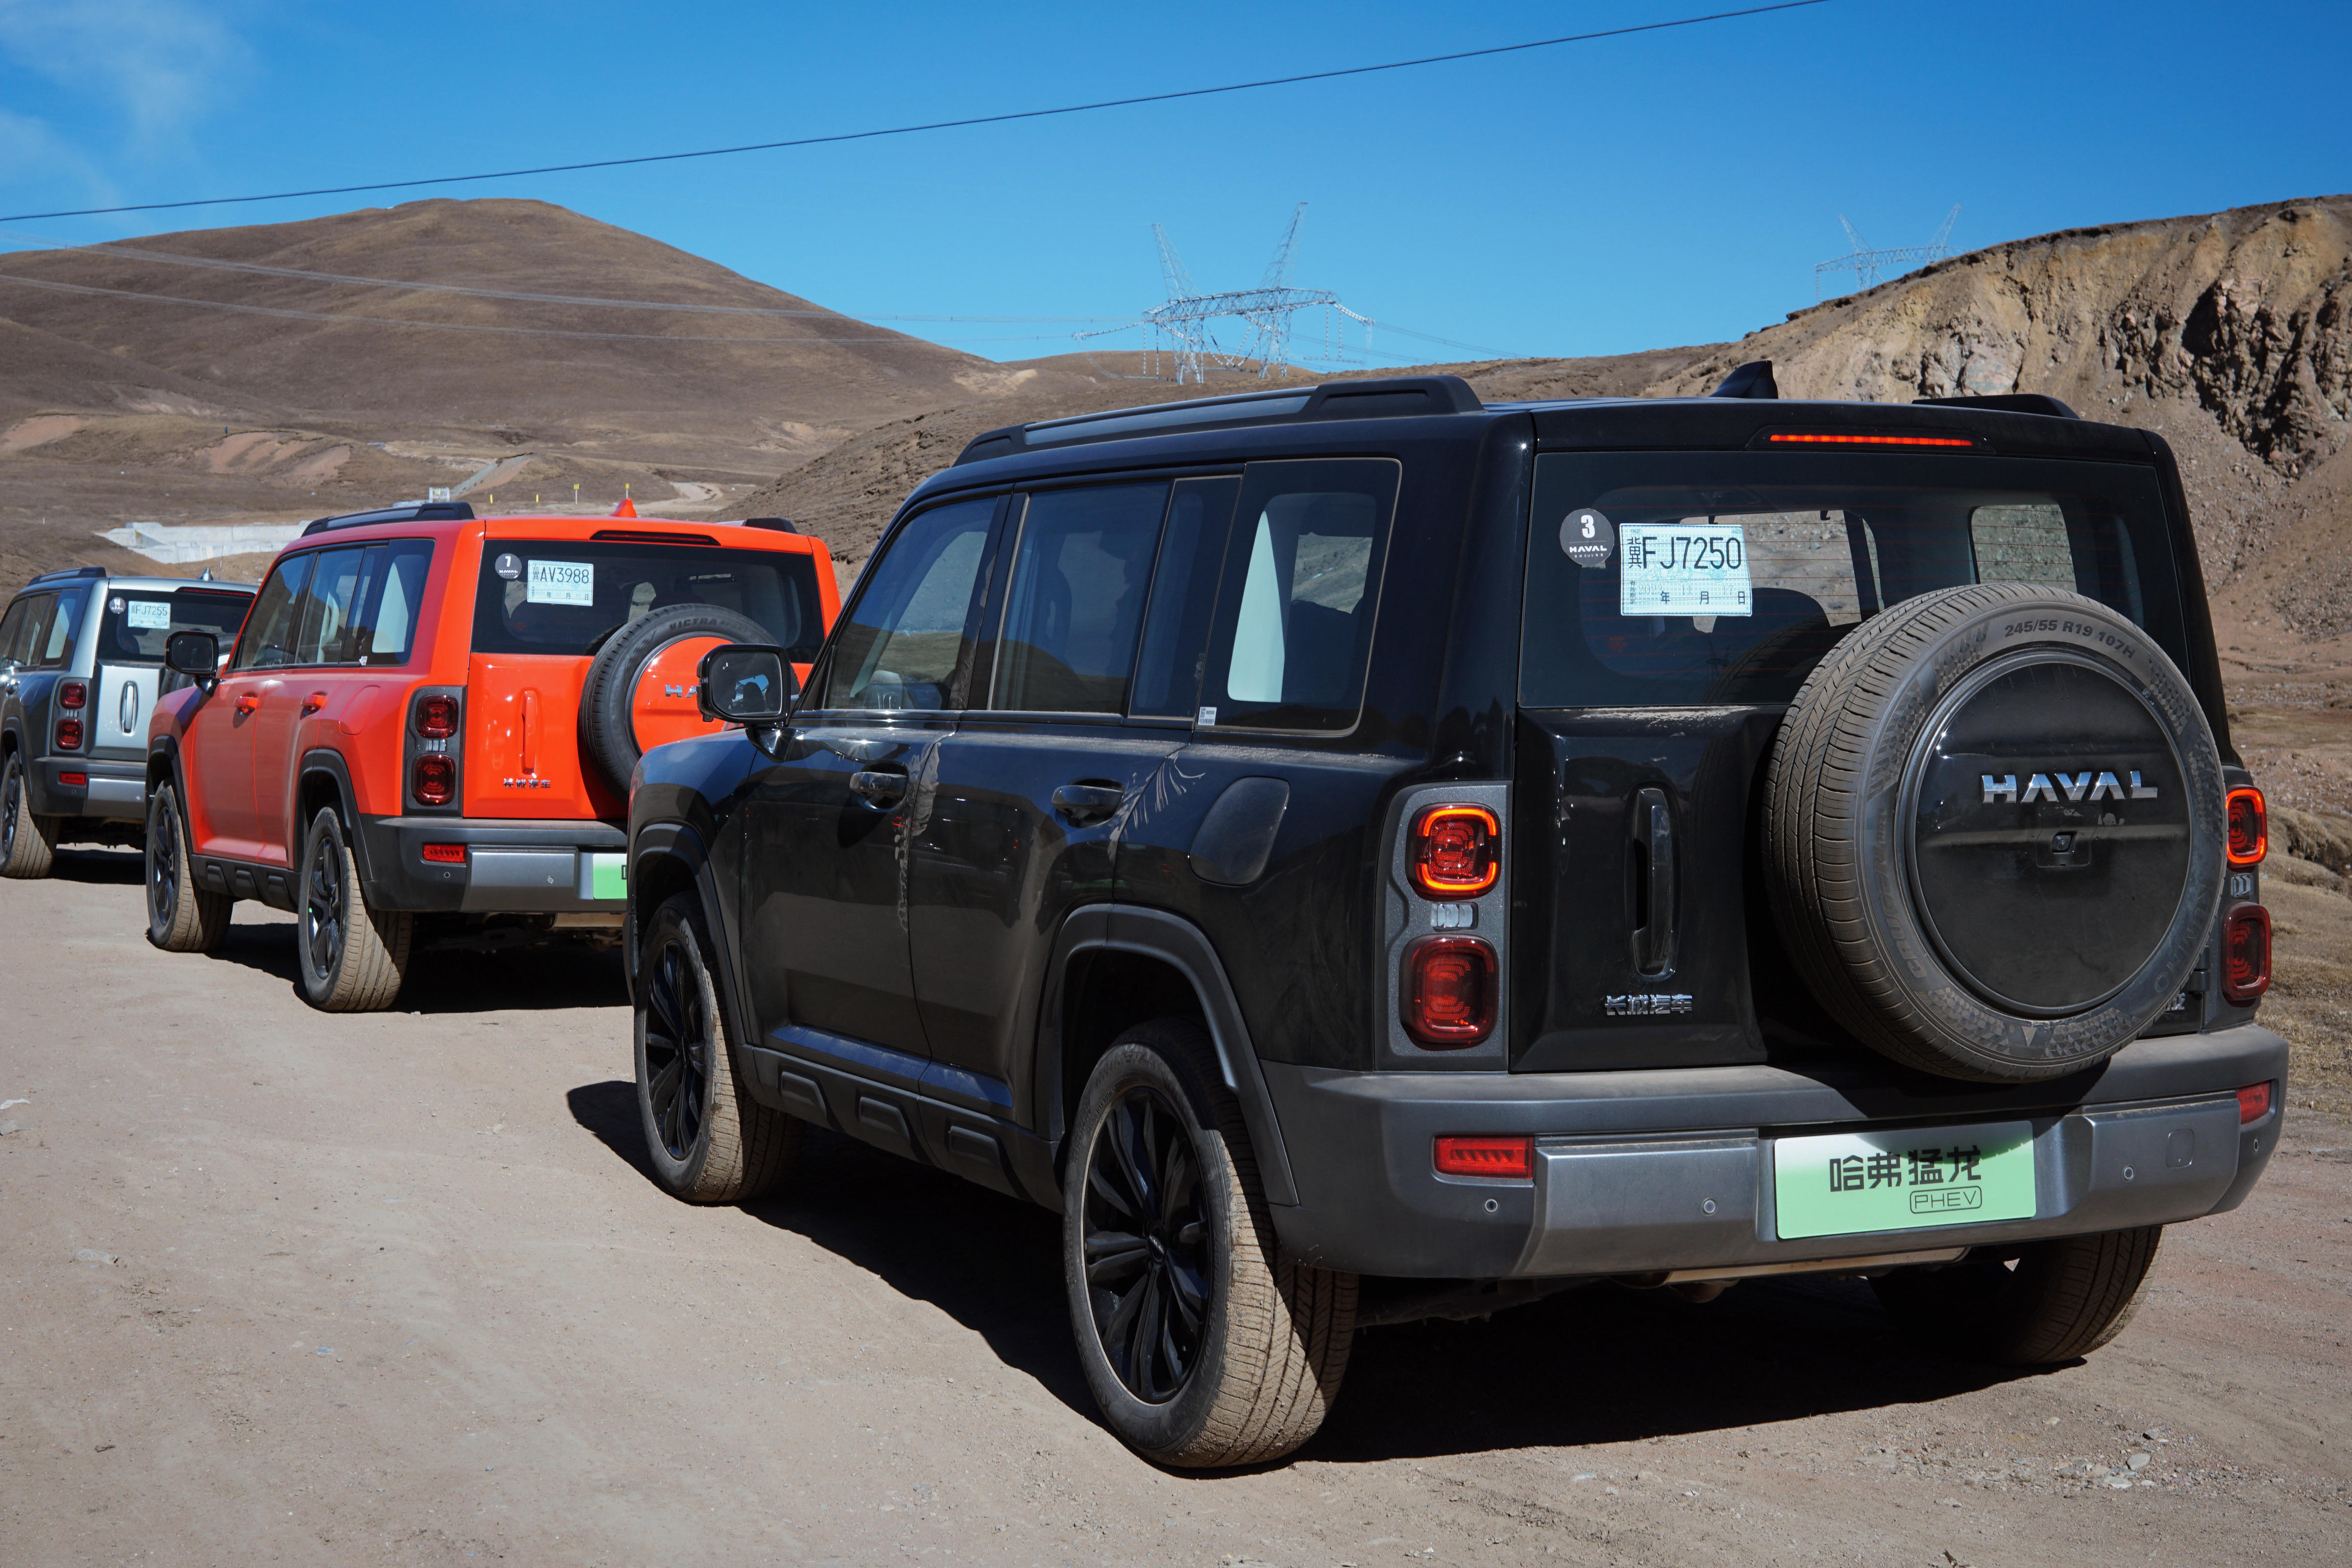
(286, 1287)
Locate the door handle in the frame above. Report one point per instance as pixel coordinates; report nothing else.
(1086, 804)
(248, 703)
(1653, 870)
(312, 703)
(878, 788)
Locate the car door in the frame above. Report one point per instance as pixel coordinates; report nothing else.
(19, 633)
(217, 749)
(828, 820)
(304, 686)
(1033, 789)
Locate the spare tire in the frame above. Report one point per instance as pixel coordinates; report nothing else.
(640, 689)
(1994, 832)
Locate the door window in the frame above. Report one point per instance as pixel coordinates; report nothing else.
(65, 629)
(10, 624)
(1076, 602)
(905, 643)
(392, 587)
(323, 612)
(1183, 597)
(268, 638)
(22, 627)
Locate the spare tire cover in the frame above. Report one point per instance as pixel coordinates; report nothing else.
(1994, 832)
(622, 713)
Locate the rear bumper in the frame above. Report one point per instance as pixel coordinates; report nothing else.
(511, 867)
(1648, 1172)
(110, 790)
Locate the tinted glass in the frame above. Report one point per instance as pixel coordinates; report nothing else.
(1076, 602)
(268, 638)
(324, 616)
(28, 617)
(57, 645)
(545, 596)
(1725, 577)
(12, 626)
(139, 621)
(1301, 584)
(1183, 597)
(391, 588)
(904, 642)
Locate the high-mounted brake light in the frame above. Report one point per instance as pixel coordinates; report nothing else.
(2250, 827)
(437, 718)
(433, 780)
(1510, 1158)
(2254, 1102)
(1455, 851)
(1825, 438)
(2246, 953)
(68, 734)
(72, 694)
(1449, 991)
(445, 854)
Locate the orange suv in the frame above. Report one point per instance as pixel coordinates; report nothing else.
(431, 715)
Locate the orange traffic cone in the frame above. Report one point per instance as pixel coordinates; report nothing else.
(626, 509)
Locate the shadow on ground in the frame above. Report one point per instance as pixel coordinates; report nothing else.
(563, 974)
(1600, 1365)
(103, 867)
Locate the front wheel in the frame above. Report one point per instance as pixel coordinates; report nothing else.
(350, 957)
(181, 916)
(1202, 1343)
(2051, 1301)
(27, 842)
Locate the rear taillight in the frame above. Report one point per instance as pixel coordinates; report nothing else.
(1449, 991)
(1455, 851)
(445, 854)
(68, 734)
(433, 780)
(2254, 1102)
(2250, 827)
(2246, 953)
(437, 718)
(72, 694)
(1511, 1158)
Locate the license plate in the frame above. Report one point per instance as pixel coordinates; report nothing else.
(606, 876)
(1847, 1182)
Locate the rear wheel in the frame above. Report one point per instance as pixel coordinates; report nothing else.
(181, 916)
(350, 958)
(27, 842)
(1203, 1345)
(2053, 1302)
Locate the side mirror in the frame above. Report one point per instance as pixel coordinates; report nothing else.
(195, 655)
(748, 684)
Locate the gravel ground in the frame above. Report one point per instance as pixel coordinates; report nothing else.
(286, 1287)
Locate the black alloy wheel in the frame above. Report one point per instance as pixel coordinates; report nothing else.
(12, 805)
(326, 906)
(162, 862)
(678, 1047)
(1146, 1241)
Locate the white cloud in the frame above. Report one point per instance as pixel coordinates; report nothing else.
(161, 62)
(33, 158)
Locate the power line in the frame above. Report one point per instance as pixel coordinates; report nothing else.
(933, 125)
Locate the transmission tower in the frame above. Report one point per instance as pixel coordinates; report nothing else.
(1260, 316)
(1870, 267)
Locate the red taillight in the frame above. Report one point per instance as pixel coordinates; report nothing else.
(2246, 953)
(1456, 851)
(74, 781)
(68, 734)
(445, 854)
(2254, 1102)
(437, 718)
(1449, 991)
(433, 780)
(2250, 827)
(1509, 1157)
(72, 694)
(1809, 438)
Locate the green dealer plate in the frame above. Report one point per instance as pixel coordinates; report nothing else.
(1848, 1183)
(608, 876)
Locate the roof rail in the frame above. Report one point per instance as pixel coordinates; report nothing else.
(68, 573)
(1397, 397)
(413, 511)
(2008, 403)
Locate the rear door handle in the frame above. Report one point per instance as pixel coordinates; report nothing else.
(877, 787)
(1654, 845)
(1086, 803)
(312, 703)
(248, 703)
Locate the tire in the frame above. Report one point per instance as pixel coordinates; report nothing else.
(28, 844)
(2061, 1300)
(347, 958)
(1949, 917)
(608, 734)
(708, 1140)
(181, 916)
(1246, 1374)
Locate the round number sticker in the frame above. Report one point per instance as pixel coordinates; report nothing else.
(1587, 537)
(507, 567)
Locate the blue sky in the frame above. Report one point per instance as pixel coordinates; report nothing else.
(1593, 198)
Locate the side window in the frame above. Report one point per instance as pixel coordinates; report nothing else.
(33, 631)
(1076, 602)
(65, 629)
(16, 629)
(392, 587)
(1293, 623)
(323, 616)
(268, 638)
(1183, 597)
(904, 643)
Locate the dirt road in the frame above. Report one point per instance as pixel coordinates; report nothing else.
(278, 1287)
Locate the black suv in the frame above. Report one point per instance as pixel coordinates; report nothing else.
(1364, 855)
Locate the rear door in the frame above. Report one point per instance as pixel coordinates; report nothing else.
(310, 682)
(217, 749)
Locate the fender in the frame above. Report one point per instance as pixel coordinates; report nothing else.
(1181, 944)
(660, 841)
(329, 762)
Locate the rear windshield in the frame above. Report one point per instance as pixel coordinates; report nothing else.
(139, 621)
(568, 597)
(1726, 576)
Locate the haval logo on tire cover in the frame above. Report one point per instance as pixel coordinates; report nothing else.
(2083, 785)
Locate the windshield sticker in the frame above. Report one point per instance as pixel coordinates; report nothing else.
(507, 567)
(1588, 538)
(147, 615)
(562, 582)
(1685, 569)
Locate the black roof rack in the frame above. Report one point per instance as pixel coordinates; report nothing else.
(414, 511)
(68, 573)
(2009, 403)
(1390, 397)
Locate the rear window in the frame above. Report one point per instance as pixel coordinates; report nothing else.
(565, 596)
(1726, 576)
(139, 621)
